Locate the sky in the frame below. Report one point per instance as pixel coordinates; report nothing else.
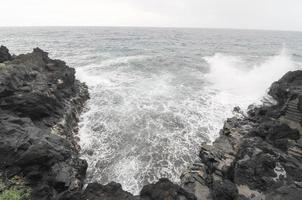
(241, 14)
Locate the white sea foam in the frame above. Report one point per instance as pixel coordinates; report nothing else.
(108, 71)
(142, 125)
(243, 83)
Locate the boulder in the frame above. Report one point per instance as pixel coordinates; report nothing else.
(111, 191)
(4, 54)
(165, 190)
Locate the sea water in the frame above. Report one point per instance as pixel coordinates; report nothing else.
(158, 93)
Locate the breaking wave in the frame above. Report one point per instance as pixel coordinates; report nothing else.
(244, 82)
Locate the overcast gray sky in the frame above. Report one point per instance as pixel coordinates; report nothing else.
(244, 14)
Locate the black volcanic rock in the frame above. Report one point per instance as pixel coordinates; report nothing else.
(164, 189)
(39, 105)
(224, 189)
(4, 54)
(111, 191)
(35, 91)
(287, 87)
(256, 156)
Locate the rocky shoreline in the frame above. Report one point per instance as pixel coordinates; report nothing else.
(258, 155)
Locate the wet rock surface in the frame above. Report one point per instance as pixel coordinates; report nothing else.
(258, 155)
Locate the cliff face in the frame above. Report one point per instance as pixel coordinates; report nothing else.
(257, 156)
(40, 101)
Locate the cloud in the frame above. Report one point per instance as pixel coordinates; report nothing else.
(256, 14)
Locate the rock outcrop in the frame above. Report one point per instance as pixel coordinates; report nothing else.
(40, 101)
(4, 54)
(258, 155)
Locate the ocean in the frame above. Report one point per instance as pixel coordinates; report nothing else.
(158, 93)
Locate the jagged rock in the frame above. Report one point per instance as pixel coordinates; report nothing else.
(38, 94)
(224, 190)
(195, 183)
(30, 89)
(256, 156)
(284, 89)
(290, 192)
(111, 191)
(162, 190)
(4, 54)
(165, 190)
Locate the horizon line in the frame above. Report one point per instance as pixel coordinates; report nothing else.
(158, 27)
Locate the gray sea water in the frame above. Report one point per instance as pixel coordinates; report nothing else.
(158, 93)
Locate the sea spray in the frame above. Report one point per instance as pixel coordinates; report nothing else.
(141, 126)
(242, 82)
